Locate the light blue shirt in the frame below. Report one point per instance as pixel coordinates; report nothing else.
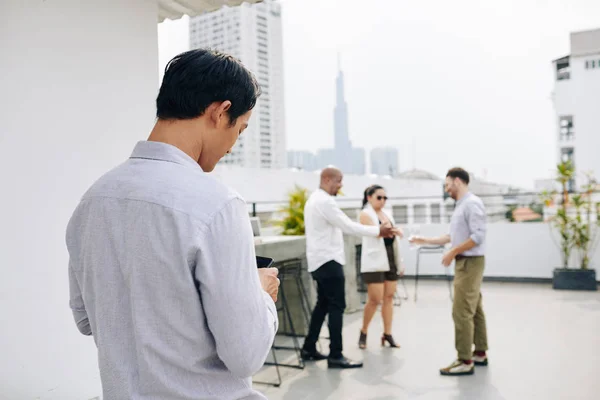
(163, 275)
(468, 221)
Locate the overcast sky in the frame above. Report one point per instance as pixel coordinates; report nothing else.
(469, 81)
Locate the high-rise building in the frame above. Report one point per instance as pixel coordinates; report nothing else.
(349, 159)
(384, 161)
(342, 142)
(304, 160)
(577, 104)
(253, 34)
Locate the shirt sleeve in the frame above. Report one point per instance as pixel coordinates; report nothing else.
(240, 315)
(476, 220)
(76, 303)
(335, 216)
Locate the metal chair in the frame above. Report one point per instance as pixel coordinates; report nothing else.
(288, 270)
(431, 250)
(291, 270)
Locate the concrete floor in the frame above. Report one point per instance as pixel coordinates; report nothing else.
(543, 345)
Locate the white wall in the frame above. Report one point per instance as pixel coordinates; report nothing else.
(586, 116)
(259, 185)
(79, 81)
(578, 96)
(523, 250)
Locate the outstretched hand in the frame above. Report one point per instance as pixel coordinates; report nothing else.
(386, 230)
(398, 232)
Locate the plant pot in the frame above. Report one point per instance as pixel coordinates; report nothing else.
(574, 279)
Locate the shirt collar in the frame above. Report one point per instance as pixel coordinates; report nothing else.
(468, 194)
(324, 192)
(149, 150)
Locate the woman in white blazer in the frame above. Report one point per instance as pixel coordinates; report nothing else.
(380, 265)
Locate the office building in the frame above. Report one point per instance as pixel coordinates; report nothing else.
(577, 105)
(384, 161)
(253, 34)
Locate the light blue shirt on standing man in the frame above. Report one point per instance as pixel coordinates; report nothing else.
(468, 221)
(163, 275)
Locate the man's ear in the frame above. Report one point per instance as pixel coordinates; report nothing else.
(219, 114)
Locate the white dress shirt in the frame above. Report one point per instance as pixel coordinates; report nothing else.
(324, 224)
(163, 275)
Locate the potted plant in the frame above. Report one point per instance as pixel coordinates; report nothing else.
(293, 212)
(578, 230)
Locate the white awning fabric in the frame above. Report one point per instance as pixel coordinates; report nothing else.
(174, 9)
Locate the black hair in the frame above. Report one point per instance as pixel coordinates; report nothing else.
(460, 174)
(197, 78)
(369, 192)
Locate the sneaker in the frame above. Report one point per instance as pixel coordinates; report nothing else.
(458, 368)
(480, 360)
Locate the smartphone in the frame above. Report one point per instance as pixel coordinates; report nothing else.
(263, 262)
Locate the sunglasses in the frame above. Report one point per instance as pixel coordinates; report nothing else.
(382, 198)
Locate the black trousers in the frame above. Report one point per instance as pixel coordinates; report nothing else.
(331, 300)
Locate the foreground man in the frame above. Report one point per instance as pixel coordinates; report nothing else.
(467, 236)
(162, 265)
(325, 224)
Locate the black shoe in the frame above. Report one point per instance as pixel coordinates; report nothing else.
(343, 363)
(312, 355)
(390, 340)
(362, 340)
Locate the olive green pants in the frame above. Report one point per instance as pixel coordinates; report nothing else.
(467, 310)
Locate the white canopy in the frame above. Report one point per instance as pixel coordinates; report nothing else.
(174, 9)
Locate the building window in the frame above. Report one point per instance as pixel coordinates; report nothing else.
(449, 210)
(436, 217)
(567, 131)
(400, 214)
(563, 69)
(419, 213)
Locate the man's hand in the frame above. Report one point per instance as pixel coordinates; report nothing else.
(418, 240)
(386, 230)
(448, 258)
(398, 232)
(269, 281)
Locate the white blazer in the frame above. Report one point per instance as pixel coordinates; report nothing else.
(373, 256)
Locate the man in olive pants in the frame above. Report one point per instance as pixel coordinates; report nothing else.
(467, 236)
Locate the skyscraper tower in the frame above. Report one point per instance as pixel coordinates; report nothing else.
(349, 159)
(342, 142)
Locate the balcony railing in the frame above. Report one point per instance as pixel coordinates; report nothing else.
(500, 207)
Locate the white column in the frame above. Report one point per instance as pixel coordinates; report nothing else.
(428, 213)
(79, 81)
(410, 213)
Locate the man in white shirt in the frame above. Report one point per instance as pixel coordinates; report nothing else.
(325, 224)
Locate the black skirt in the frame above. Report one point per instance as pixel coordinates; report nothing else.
(381, 276)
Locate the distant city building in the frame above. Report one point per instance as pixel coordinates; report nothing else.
(325, 158)
(351, 160)
(304, 160)
(252, 33)
(384, 161)
(548, 185)
(577, 105)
